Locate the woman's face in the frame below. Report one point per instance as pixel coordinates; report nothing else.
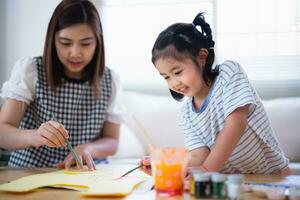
(75, 46)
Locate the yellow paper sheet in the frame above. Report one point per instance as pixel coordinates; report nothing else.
(104, 181)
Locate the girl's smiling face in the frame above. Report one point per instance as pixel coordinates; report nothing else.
(183, 77)
(75, 46)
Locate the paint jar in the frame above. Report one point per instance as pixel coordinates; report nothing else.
(168, 168)
(218, 186)
(192, 185)
(202, 185)
(234, 185)
(192, 172)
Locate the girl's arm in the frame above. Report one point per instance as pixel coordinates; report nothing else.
(12, 112)
(198, 156)
(228, 138)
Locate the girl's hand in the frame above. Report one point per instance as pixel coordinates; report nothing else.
(51, 134)
(83, 154)
(146, 164)
(186, 184)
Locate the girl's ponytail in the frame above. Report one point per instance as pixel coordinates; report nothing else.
(209, 74)
(205, 29)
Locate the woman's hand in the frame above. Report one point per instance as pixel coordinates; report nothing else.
(146, 164)
(84, 156)
(51, 134)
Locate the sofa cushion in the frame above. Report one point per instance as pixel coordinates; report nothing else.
(284, 114)
(153, 119)
(129, 145)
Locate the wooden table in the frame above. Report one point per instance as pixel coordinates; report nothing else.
(8, 174)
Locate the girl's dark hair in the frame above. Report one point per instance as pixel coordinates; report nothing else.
(184, 40)
(68, 13)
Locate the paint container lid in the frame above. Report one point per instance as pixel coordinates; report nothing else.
(201, 177)
(218, 178)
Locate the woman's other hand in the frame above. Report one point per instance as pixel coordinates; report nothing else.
(84, 156)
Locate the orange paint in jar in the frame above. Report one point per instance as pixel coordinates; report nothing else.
(169, 165)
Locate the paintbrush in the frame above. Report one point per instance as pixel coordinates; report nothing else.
(71, 149)
(75, 156)
(130, 171)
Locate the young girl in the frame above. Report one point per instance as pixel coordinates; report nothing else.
(224, 123)
(68, 94)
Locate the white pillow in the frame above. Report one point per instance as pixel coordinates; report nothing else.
(284, 114)
(129, 145)
(153, 119)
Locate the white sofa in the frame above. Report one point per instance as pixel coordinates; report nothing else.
(151, 120)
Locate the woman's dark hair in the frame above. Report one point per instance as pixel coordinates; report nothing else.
(184, 40)
(68, 13)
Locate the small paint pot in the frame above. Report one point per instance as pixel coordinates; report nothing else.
(234, 185)
(202, 185)
(218, 186)
(191, 184)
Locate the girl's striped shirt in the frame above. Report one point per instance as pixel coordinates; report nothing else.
(258, 150)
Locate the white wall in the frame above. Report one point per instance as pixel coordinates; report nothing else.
(24, 25)
(2, 40)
